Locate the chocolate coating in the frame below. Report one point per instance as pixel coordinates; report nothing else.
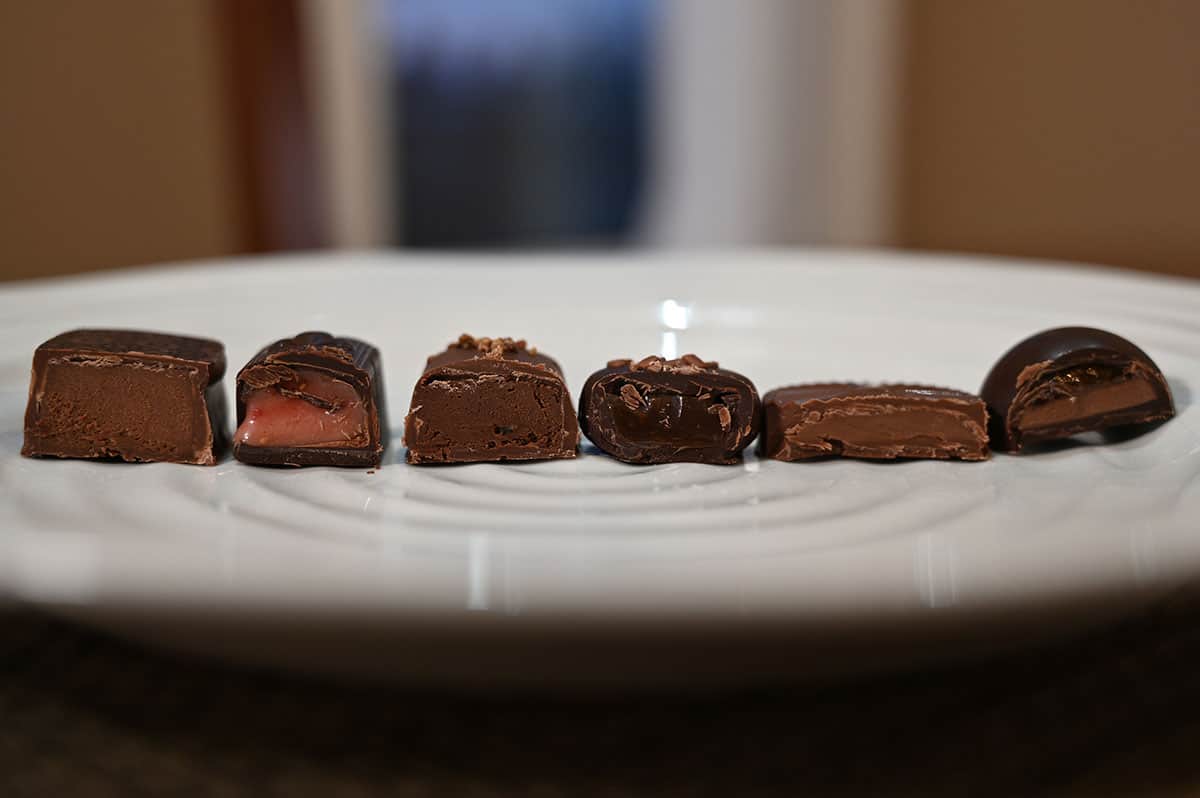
(880, 422)
(490, 399)
(127, 394)
(346, 360)
(1069, 380)
(670, 411)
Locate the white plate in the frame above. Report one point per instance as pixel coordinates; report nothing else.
(590, 570)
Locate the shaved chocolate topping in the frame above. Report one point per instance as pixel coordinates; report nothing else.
(470, 348)
(490, 399)
(1070, 380)
(490, 347)
(669, 411)
(873, 421)
(127, 394)
(314, 399)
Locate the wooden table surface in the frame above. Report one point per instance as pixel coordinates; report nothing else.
(1114, 713)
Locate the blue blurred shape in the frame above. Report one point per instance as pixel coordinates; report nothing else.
(520, 123)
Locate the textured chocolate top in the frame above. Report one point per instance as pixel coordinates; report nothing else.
(139, 342)
(469, 348)
(347, 357)
(855, 390)
(1074, 364)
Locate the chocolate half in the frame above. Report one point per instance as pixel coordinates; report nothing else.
(1070, 380)
(670, 411)
(879, 422)
(129, 395)
(490, 399)
(312, 400)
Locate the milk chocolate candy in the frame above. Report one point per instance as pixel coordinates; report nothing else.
(128, 395)
(670, 411)
(490, 399)
(312, 400)
(879, 422)
(1070, 380)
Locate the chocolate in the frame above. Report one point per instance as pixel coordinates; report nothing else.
(490, 399)
(879, 422)
(312, 400)
(670, 411)
(1070, 380)
(128, 395)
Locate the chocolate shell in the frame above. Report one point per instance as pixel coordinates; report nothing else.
(670, 411)
(1070, 380)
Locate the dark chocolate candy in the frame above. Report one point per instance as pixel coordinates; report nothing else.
(127, 394)
(1070, 380)
(312, 400)
(670, 411)
(490, 399)
(873, 421)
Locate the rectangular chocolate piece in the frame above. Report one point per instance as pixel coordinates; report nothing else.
(884, 422)
(670, 411)
(312, 400)
(127, 394)
(490, 399)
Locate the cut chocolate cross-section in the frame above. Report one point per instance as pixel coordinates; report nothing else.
(128, 395)
(670, 411)
(882, 422)
(490, 399)
(312, 400)
(1070, 380)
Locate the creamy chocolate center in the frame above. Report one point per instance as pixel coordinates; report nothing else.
(646, 416)
(885, 427)
(1084, 392)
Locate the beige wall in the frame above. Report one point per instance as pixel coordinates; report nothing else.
(113, 145)
(1058, 128)
(1054, 128)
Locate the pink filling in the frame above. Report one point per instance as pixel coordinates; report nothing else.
(274, 418)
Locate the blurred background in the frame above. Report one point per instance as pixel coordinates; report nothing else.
(138, 131)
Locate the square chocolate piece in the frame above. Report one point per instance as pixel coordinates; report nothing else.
(490, 399)
(880, 422)
(129, 395)
(312, 400)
